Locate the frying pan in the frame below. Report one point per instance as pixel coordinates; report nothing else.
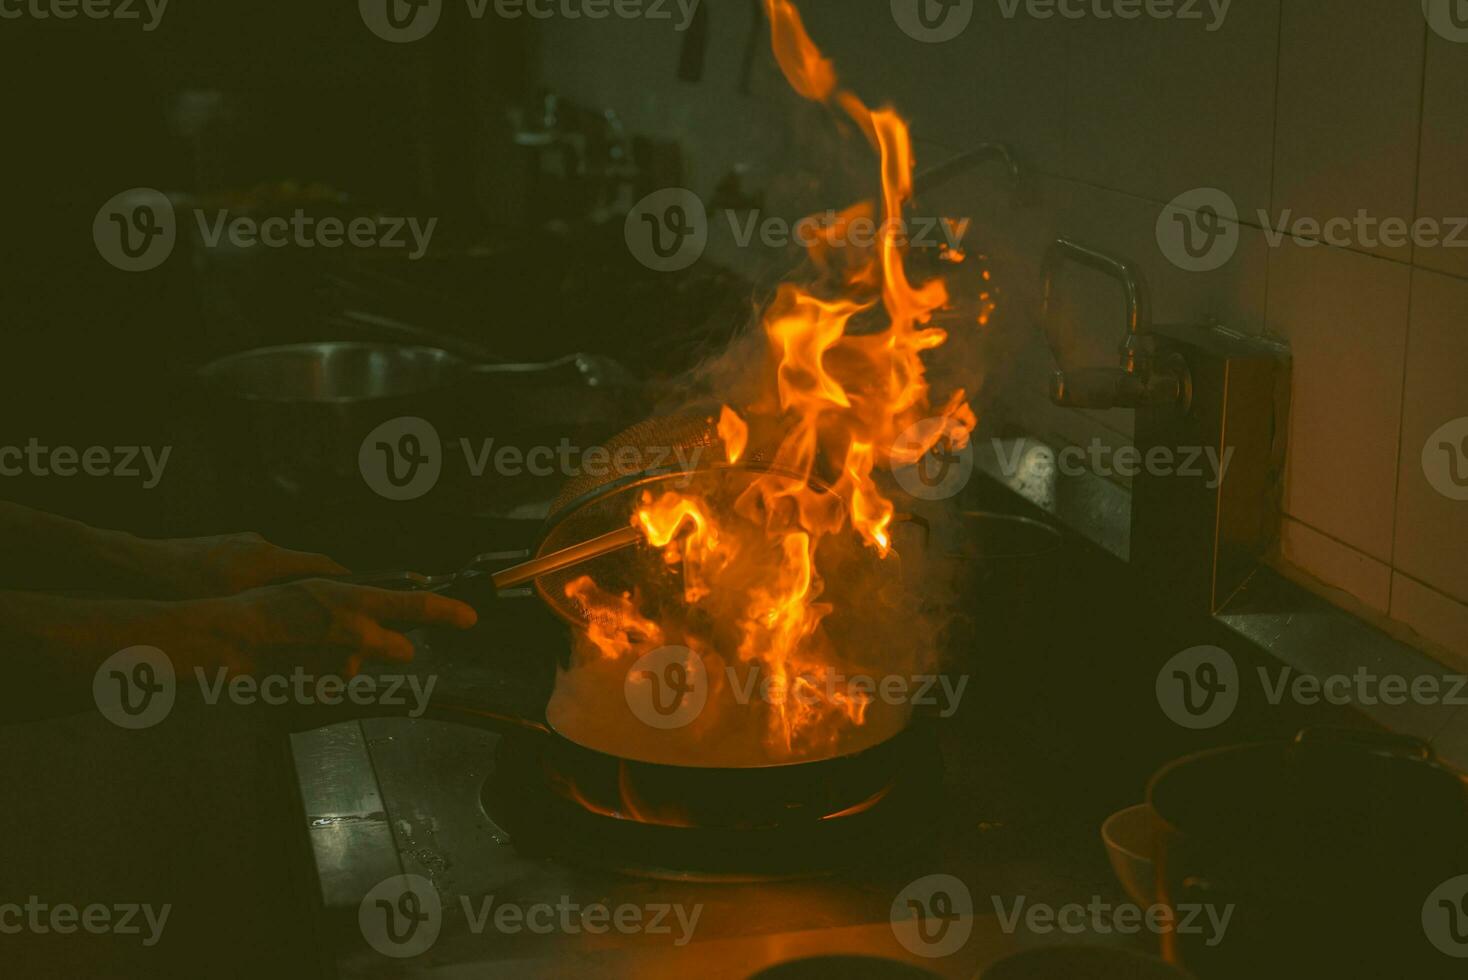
(589, 728)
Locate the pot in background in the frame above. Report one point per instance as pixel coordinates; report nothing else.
(1127, 835)
(293, 417)
(1326, 847)
(1081, 963)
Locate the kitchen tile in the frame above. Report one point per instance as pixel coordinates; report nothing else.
(1337, 565)
(1442, 192)
(1451, 744)
(1114, 112)
(1001, 78)
(1345, 317)
(1442, 620)
(1432, 527)
(1217, 82)
(1350, 90)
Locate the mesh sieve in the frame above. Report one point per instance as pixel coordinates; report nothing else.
(593, 504)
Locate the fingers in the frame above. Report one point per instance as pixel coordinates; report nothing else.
(415, 608)
(285, 564)
(378, 643)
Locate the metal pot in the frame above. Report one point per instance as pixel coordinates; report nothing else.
(1326, 848)
(297, 414)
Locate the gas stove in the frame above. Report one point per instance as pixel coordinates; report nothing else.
(526, 883)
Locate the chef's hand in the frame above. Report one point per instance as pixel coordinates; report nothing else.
(224, 565)
(318, 624)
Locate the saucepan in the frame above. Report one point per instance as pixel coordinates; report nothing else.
(1331, 854)
(298, 413)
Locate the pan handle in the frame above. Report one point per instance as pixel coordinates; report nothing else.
(1376, 743)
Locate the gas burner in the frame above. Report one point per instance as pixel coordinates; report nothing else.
(619, 816)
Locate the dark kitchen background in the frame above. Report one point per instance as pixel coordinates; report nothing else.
(527, 140)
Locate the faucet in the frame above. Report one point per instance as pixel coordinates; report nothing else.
(971, 158)
(1144, 379)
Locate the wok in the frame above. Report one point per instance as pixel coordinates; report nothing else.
(1329, 847)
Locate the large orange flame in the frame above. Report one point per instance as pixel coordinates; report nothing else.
(845, 388)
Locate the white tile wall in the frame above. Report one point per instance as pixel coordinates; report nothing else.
(1442, 191)
(1350, 95)
(1324, 107)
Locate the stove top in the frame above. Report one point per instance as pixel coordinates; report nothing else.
(431, 819)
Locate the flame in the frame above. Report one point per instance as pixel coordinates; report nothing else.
(849, 379)
(735, 433)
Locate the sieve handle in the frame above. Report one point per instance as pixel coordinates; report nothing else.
(566, 557)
